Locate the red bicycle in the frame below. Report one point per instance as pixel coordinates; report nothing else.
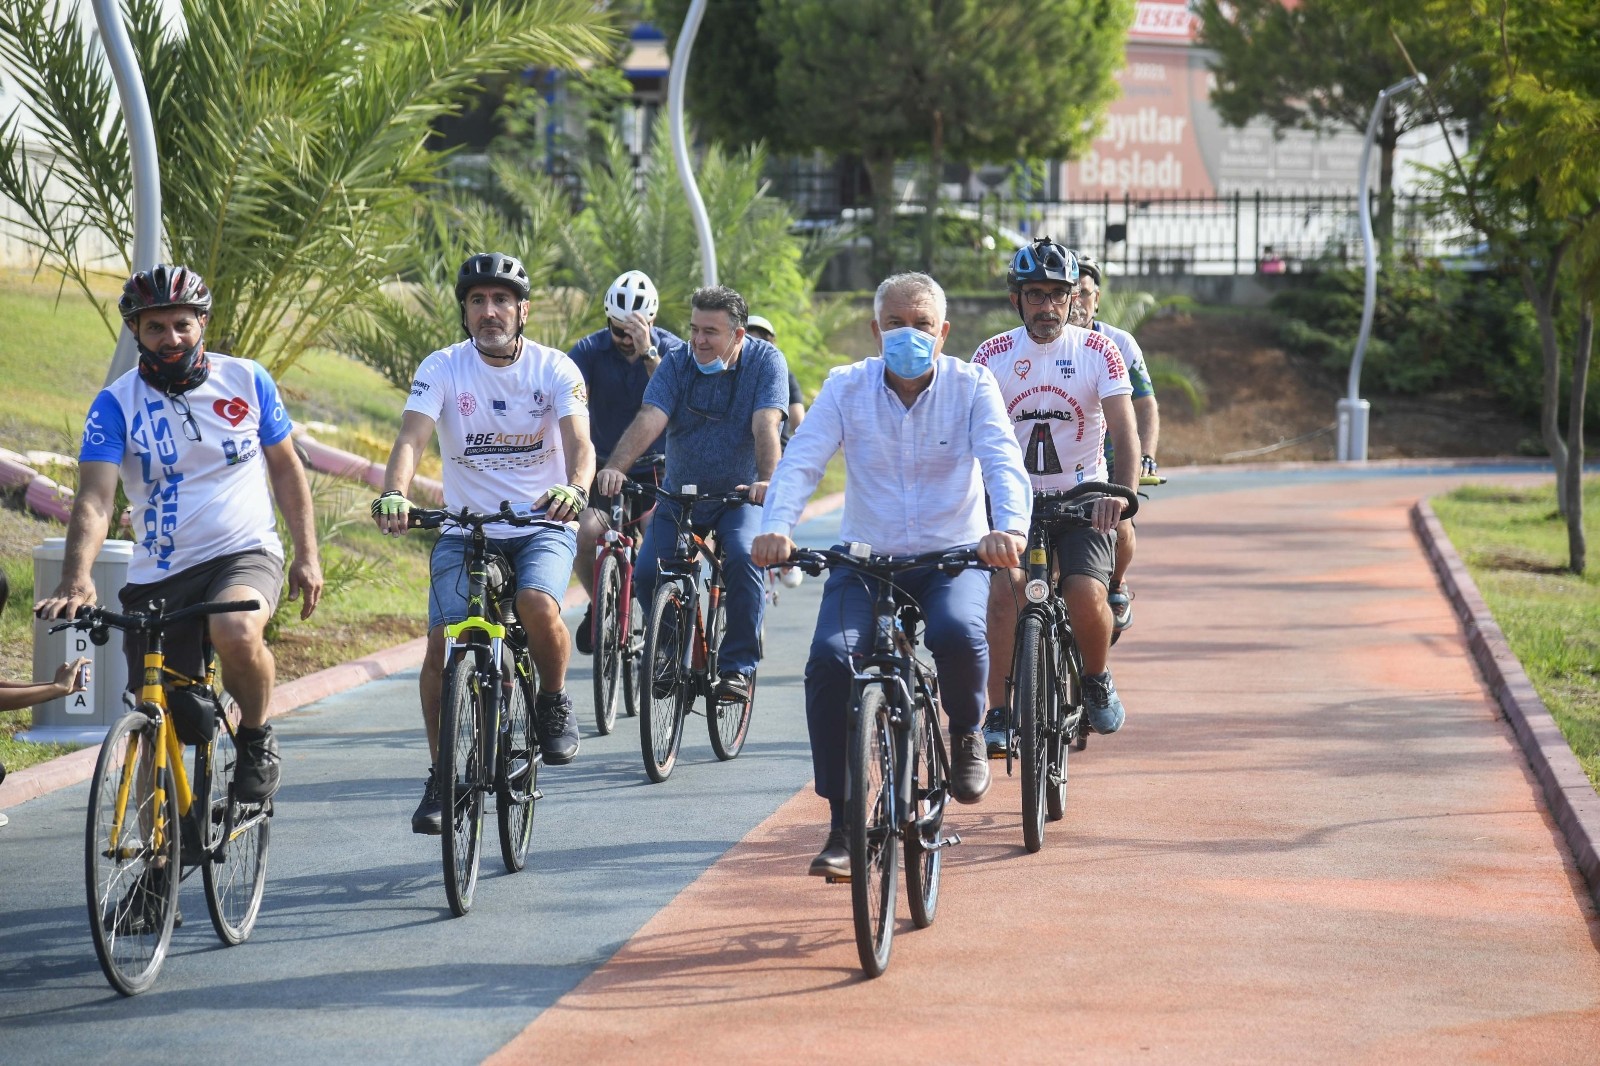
(618, 641)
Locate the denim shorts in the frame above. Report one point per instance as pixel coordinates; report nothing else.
(542, 560)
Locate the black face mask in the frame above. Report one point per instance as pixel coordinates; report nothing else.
(176, 373)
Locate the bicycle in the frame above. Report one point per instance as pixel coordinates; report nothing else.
(1046, 682)
(146, 819)
(486, 737)
(1145, 481)
(683, 639)
(617, 646)
(897, 763)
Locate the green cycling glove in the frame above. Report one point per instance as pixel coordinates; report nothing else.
(391, 503)
(575, 499)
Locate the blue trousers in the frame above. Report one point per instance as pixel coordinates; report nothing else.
(736, 528)
(954, 610)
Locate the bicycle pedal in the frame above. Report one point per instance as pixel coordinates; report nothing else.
(944, 842)
(837, 880)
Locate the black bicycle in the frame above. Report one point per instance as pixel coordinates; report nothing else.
(148, 819)
(1046, 682)
(897, 763)
(683, 638)
(486, 737)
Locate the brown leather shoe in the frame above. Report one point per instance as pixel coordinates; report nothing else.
(969, 767)
(834, 858)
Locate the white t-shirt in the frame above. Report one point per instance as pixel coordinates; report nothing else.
(191, 500)
(499, 426)
(1052, 394)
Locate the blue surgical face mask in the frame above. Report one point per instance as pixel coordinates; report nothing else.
(908, 352)
(716, 366)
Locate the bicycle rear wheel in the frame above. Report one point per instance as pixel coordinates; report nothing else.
(869, 809)
(459, 774)
(235, 873)
(728, 721)
(664, 681)
(1067, 706)
(517, 783)
(929, 782)
(131, 855)
(1032, 703)
(609, 642)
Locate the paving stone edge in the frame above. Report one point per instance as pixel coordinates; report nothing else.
(1573, 801)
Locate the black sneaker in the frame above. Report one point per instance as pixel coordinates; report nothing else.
(834, 858)
(733, 687)
(583, 636)
(139, 911)
(558, 727)
(255, 775)
(428, 818)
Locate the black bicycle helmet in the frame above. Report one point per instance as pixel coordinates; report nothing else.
(493, 268)
(1087, 265)
(164, 286)
(1043, 260)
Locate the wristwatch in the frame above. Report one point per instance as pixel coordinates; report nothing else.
(652, 353)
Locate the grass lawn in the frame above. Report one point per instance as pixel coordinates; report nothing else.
(1516, 549)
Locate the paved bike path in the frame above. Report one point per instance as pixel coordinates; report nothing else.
(1313, 841)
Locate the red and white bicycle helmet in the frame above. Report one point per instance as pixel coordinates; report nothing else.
(633, 291)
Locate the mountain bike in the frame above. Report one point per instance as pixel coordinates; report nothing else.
(486, 736)
(617, 644)
(683, 636)
(1046, 681)
(897, 763)
(149, 824)
(1145, 481)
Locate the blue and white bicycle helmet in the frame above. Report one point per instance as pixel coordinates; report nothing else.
(1043, 260)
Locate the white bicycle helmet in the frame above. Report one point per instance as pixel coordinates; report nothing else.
(632, 292)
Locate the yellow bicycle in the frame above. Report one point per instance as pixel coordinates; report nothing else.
(148, 826)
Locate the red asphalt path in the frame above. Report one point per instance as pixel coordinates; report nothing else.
(1314, 841)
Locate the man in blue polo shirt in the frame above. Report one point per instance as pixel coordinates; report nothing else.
(616, 363)
(720, 403)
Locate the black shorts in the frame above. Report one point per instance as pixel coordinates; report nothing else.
(257, 569)
(1081, 550)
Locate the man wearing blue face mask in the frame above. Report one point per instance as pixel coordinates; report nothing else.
(924, 435)
(720, 403)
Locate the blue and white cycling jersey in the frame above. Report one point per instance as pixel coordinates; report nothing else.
(192, 500)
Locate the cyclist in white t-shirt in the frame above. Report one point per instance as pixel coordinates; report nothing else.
(197, 437)
(1065, 389)
(513, 423)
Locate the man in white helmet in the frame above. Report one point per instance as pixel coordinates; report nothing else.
(616, 363)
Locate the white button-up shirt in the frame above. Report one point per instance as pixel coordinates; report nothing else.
(914, 477)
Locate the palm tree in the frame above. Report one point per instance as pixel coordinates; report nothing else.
(292, 134)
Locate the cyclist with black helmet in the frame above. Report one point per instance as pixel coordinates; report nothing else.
(513, 422)
(197, 438)
(1146, 415)
(1066, 389)
(617, 363)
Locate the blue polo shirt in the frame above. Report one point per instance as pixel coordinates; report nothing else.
(709, 440)
(616, 386)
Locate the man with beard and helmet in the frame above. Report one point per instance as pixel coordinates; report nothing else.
(1146, 415)
(1065, 388)
(197, 438)
(513, 423)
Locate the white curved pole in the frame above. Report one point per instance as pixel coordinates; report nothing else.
(677, 81)
(142, 148)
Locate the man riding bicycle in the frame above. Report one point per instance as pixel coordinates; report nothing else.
(513, 423)
(924, 434)
(1146, 415)
(719, 403)
(1065, 389)
(197, 438)
(617, 364)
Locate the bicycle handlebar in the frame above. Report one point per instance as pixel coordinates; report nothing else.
(686, 499)
(814, 560)
(1104, 488)
(144, 621)
(522, 514)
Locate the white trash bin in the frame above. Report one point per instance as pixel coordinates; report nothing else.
(84, 717)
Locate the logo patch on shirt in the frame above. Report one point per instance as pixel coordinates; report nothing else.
(994, 346)
(238, 452)
(1022, 366)
(499, 407)
(1066, 367)
(233, 409)
(466, 403)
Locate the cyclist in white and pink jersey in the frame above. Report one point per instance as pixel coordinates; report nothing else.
(1065, 388)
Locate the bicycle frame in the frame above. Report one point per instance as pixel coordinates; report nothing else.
(485, 639)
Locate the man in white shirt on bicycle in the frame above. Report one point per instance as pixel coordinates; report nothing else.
(924, 435)
(513, 423)
(1065, 389)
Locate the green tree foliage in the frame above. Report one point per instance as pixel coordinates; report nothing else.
(293, 140)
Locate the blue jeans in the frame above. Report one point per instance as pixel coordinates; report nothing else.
(738, 526)
(954, 610)
(542, 560)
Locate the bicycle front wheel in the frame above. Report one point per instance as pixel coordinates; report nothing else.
(517, 783)
(664, 681)
(235, 872)
(131, 855)
(929, 791)
(727, 720)
(609, 642)
(1032, 696)
(874, 855)
(460, 773)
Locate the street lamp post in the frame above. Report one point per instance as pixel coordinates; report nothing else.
(1353, 410)
(677, 83)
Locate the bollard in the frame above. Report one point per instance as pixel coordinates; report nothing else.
(84, 717)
